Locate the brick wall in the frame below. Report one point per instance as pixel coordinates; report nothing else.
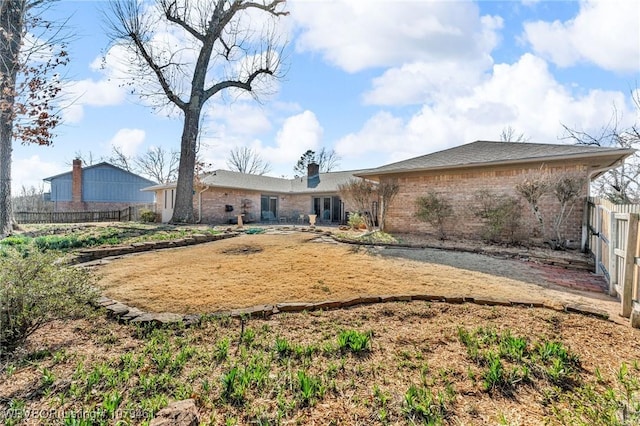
(214, 201)
(460, 189)
(290, 206)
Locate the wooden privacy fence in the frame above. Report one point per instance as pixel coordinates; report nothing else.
(614, 242)
(124, 215)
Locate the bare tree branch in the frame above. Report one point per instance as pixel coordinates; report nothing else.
(247, 160)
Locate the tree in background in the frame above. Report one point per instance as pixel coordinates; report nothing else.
(216, 49)
(327, 160)
(509, 134)
(622, 184)
(247, 160)
(31, 199)
(29, 86)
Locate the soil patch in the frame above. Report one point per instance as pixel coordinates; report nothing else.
(242, 250)
(301, 267)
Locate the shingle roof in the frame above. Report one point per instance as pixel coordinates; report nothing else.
(323, 183)
(486, 152)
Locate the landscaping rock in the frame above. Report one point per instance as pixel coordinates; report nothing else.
(360, 301)
(428, 297)
(587, 310)
(117, 309)
(260, 311)
(327, 304)
(179, 413)
(488, 301)
(192, 319)
(104, 301)
(456, 299)
(528, 303)
(163, 318)
(293, 307)
(133, 313)
(395, 298)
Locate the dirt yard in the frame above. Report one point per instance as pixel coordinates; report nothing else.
(287, 267)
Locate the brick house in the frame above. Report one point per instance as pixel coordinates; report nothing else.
(460, 173)
(223, 195)
(100, 187)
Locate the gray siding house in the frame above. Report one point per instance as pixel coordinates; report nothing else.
(98, 187)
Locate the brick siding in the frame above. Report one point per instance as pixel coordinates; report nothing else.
(460, 189)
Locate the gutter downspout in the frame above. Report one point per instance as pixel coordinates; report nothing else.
(200, 204)
(585, 212)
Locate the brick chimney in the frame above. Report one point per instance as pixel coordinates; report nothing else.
(313, 169)
(313, 175)
(76, 182)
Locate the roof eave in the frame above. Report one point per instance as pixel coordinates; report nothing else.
(621, 153)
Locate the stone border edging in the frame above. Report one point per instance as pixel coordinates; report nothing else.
(132, 315)
(564, 263)
(97, 253)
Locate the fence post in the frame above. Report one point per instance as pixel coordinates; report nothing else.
(598, 239)
(626, 298)
(612, 267)
(131, 214)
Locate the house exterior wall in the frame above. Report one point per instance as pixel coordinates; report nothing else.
(214, 201)
(461, 187)
(98, 188)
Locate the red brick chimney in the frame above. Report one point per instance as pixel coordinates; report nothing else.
(76, 182)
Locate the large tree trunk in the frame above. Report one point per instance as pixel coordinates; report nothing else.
(11, 29)
(183, 209)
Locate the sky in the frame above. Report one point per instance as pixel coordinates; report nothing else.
(377, 81)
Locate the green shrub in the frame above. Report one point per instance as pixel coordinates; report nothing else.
(356, 221)
(435, 210)
(15, 241)
(35, 289)
(501, 214)
(147, 216)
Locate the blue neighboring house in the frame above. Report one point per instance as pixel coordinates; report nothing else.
(98, 187)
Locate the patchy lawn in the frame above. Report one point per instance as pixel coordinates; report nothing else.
(286, 267)
(397, 363)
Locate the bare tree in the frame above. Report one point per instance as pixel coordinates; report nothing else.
(87, 159)
(247, 160)
(622, 184)
(360, 193)
(119, 159)
(31, 199)
(28, 87)
(158, 164)
(509, 134)
(387, 191)
(217, 50)
(325, 159)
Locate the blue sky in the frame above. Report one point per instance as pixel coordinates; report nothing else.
(376, 80)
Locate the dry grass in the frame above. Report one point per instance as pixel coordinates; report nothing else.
(413, 344)
(265, 269)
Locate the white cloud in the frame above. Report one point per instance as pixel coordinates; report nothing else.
(524, 95)
(31, 170)
(357, 35)
(298, 133)
(128, 141)
(421, 82)
(604, 32)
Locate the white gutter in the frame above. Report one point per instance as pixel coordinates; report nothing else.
(200, 204)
